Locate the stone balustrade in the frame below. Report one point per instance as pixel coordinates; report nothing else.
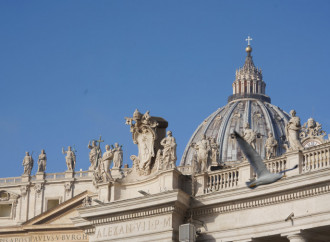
(221, 180)
(311, 159)
(10, 180)
(316, 158)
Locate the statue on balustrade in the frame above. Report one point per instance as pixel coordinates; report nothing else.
(104, 168)
(166, 157)
(203, 149)
(214, 153)
(42, 159)
(117, 156)
(249, 135)
(271, 145)
(27, 164)
(95, 154)
(70, 158)
(292, 130)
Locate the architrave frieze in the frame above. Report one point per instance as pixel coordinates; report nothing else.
(170, 202)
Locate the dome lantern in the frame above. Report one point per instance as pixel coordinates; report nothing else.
(248, 80)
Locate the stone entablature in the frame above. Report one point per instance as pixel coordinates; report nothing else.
(140, 219)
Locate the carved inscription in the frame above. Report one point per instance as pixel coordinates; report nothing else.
(130, 228)
(48, 237)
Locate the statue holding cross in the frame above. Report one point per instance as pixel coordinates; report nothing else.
(95, 154)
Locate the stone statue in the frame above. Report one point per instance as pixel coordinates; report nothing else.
(117, 156)
(271, 144)
(159, 160)
(202, 148)
(214, 153)
(42, 159)
(169, 151)
(292, 132)
(70, 158)
(249, 135)
(27, 164)
(106, 162)
(95, 153)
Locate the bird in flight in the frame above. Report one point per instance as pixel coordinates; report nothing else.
(263, 175)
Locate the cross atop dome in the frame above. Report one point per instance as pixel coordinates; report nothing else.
(248, 40)
(248, 49)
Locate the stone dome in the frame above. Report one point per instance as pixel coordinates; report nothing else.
(248, 104)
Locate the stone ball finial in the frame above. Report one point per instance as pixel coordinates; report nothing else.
(248, 49)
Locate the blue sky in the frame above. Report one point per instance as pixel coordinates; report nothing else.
(72, 70)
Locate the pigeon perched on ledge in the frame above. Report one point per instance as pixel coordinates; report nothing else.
(259, 167)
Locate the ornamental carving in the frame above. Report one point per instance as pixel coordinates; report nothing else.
(24, 190)
(87, 201)
(68, 186)
(143, 129)
(4, 196)
(312, 129)
(38, 187)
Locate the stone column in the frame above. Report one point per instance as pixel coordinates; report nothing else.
(39, 198)
(24, 205)
(259, 87)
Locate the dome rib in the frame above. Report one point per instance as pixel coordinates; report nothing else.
(222, 129)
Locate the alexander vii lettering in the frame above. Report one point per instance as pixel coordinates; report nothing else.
(140, 226)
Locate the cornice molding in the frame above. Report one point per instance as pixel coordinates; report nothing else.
(264, 200)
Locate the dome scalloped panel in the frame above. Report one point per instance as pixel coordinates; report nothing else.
(263, 117)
